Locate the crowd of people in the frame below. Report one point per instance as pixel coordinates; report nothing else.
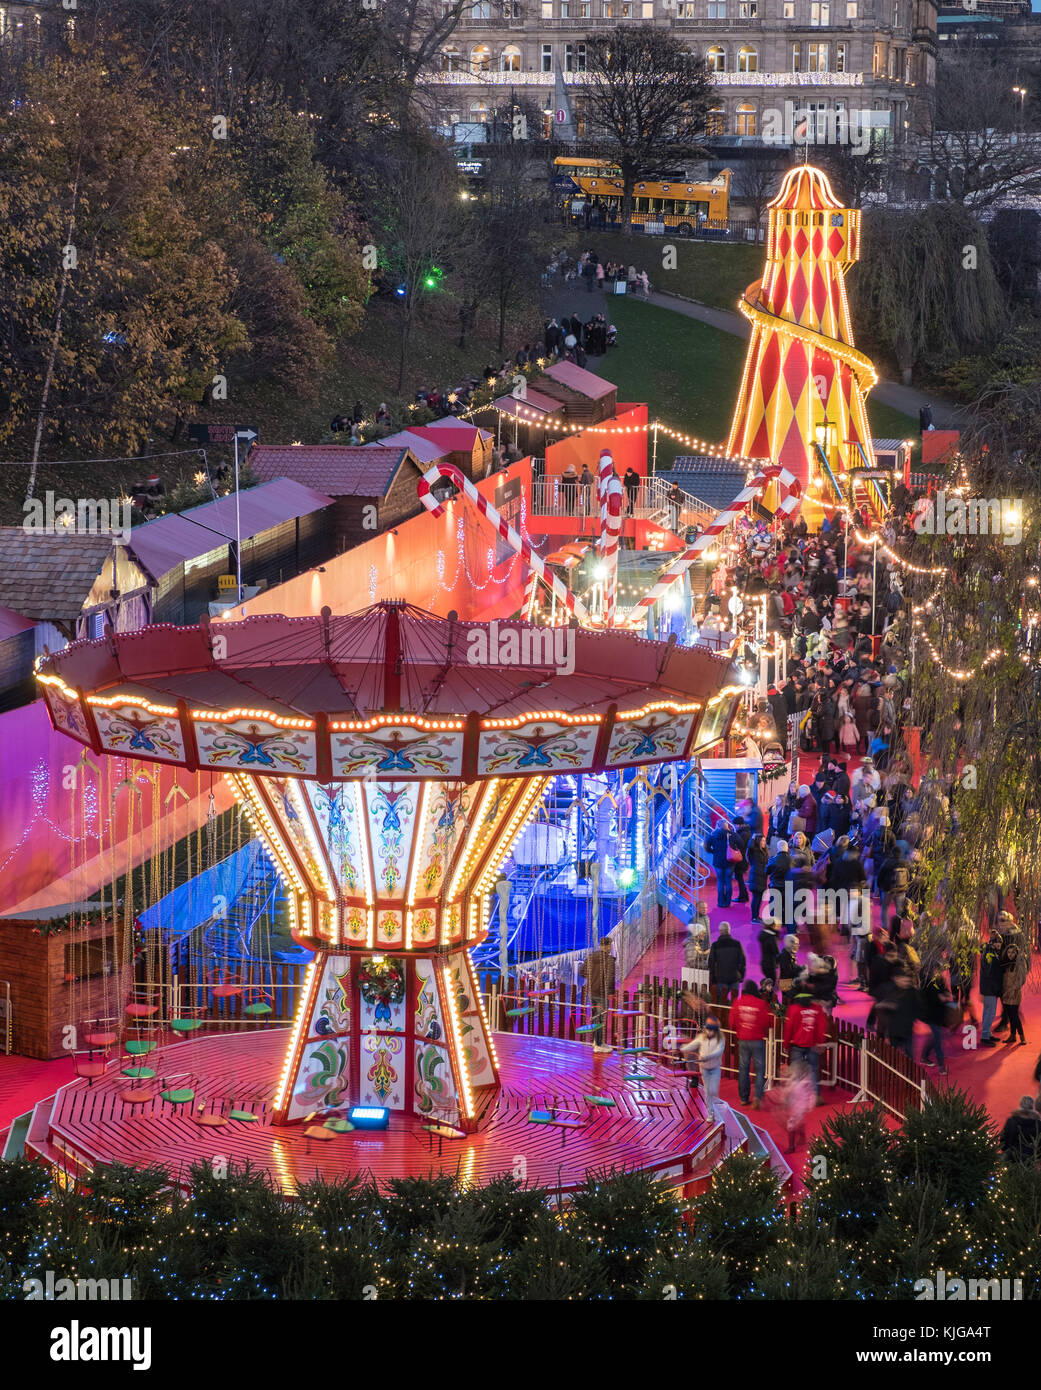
(597, 274)
(857, 827)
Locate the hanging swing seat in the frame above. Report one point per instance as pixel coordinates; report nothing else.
(140, 1073)
(659, 1102)
(138, 1047)
(540, 993)
(211, 1119)
(137, 1095)
(632, 1051)
(180, 1095)
(600, 1100)
(185, 1025)
(257, 1010)
(562, 1119)
(588, 1028)
(339, 1126)
(444, 1131)
(638, 1076)
(517, 1013)
(246, 1116)
(90, 1068)
(101, 1039)
(629, 1013)
(142, 1010)
(225, 991)
(319, 1132)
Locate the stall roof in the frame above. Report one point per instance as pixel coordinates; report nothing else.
(161, 544)
(460, 439)
(47, 577)
(578, 379)
(12, 623)
(341, 470)
(452, 422)
(534, 400)
(425, 450)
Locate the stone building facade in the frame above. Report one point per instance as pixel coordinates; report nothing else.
(873, 60)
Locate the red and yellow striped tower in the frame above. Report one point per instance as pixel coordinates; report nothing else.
(802, 393)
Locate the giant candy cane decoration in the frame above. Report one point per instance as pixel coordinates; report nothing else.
(505, 530)
(789, 489)
(611, 535)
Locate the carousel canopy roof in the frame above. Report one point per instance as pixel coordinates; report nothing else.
(322, 683)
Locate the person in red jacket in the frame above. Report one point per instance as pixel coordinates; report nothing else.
(805, 1029)
(751, 1018)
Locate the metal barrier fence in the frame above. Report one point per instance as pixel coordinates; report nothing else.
(656, 1019)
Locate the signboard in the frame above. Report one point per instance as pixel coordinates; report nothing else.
(218, 434)
(226, 581)
(879, 474)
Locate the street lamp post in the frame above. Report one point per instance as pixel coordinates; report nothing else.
(248, 436)
(1021, 92)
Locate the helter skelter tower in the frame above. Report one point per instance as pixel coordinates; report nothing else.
(802, 399)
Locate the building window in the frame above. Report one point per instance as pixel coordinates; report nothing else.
(480, 58)
(547, 9)
(878, 60)
(451, 60)
(608, 9)
(716, 59)
(583, 9)
(748, 9)
(574, 57)
(796, 57)
(565, 9)
(686, 10)
(481, 10)
(717, 9)
(510, 59)
(746, 122)
(896, 14)
(788, 9)
(820, 14)
(547, 57)
(818, 57)
(747, 60)
(840, 57)
(851, 9)
(908, 67)
(892, 64)
(478, 111)
(626, 9)
(647, 9)
(716, 123)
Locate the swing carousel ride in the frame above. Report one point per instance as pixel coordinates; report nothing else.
(388, 761)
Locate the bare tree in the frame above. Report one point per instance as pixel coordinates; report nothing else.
(756, 180)
(976, 144)
(648, 98)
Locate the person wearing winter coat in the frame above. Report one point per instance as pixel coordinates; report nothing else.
(758, 856)
(992, 984)
(1012, 991)
(769, 948)
(808, 811)
(934, 999)
(695, 959)
(716, 846)
(705, 1052)
(739, 841)
(726, 965)
(788, 969)
(805, 1031)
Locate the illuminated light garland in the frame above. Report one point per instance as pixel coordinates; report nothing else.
(292, 1050)
(875, 539)
(380, 721)
(995, 654)
(455, 1022)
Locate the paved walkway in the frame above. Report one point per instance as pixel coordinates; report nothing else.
(891, 393)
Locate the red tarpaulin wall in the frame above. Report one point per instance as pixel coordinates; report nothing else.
(627, 449)
(437, 563)
(54, 807)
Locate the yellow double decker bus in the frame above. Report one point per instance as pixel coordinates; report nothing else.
(671, 203)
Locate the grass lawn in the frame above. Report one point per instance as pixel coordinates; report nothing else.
(689, 373)
(714, 272)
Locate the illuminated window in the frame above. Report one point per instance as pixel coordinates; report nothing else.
(796, 57)
(481, 58)
(686, 10)
(908, 66)
(510, 59)
(748, 9)
(746, 120)
(818, 57)
(878, 60)
(716, 124)
(547, 9)
(840, 57)
(747, 60)
(788, 9)
(716, 59)
(647, 9)
(851, 9)
(478, 111)
(820, 14)
(451, 60)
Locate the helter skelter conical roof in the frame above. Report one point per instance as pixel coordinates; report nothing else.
(391, 693)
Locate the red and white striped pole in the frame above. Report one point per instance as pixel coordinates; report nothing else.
(605, 474)
(719, 524)
(505, 530)
(611, 538)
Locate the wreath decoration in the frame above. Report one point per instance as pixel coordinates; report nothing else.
(382, 982)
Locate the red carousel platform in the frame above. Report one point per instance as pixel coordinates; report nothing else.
(653, 1123)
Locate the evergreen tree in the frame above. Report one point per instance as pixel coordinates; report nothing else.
(629, 1219)
(850, 1169)
(740, 1219)
(950, 1142)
